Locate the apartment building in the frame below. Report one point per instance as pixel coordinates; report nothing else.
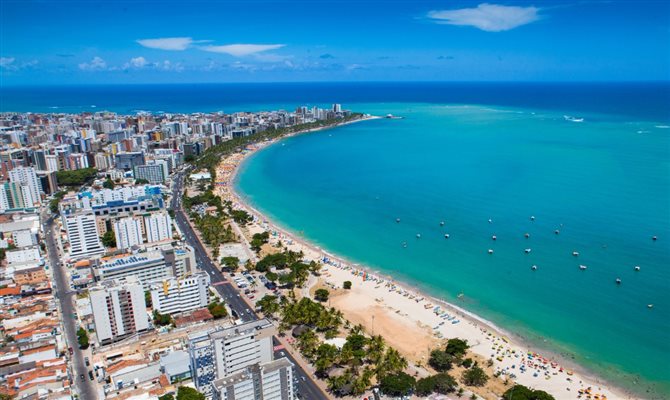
(119, 309)
(82, 234)
(173, 296)
(267, 381)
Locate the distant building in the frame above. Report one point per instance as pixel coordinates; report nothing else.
(155, 172)
(267, 381)
(173, 296)
(129, 160)
(158, 227)
(216, 354)
(31, 188)
(128, 232)
(119, 309)
(82, 234)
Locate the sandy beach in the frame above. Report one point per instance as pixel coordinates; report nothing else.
(416, 323)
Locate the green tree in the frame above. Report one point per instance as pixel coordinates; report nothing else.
(321, 295)
(467, 363)
(457, 347)
(82, 338)
(161, 319)
(308, 343)
(141, 181)
(425, 386)
(269, 305)
(218, 310)
(187, 393)
(76, 177)
(108, 183)
(521, 392)
(440, 361)
(474, 376)
(271, 276)
(168, 396)
(258, 240)
(232, 263)
(400, 384)
(147, 298)
(326, 354)
(445, 383)
(347, 285)
(109, 239)
(392, 363)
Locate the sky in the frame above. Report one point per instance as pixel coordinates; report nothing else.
(103, 42)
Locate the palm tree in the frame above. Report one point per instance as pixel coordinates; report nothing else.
(376, 347)
(392, 363)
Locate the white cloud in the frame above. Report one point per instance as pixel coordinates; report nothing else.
(174, 43)
(240, 50)
(138, 62)
(96, 64)
(488, 17)
(7, 62)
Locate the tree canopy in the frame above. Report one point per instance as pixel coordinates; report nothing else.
(521, 392)
(77, 177)
(474, 376)
(400, 384)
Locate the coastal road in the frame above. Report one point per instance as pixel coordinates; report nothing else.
(307, 388)
(85, 387)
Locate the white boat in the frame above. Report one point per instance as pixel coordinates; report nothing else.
(446, 236)
(573, 119)
(582, 267)
(490, 251)
(637, 268)
(534, 267)
(575, 253)
(493, 237)
(527, 251)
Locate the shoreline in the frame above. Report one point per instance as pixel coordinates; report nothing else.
(515, 344)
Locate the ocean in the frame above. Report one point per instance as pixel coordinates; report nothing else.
(465, 153)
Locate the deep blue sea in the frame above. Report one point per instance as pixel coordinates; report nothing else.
(466, 153)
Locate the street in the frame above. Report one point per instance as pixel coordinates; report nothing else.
(85, 387)
(307, 387)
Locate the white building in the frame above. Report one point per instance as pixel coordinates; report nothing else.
(30, 185)
(268, 381)
(158, 227)
(217, 354)
(82, 233)
(119, 309)
(172, 296)
(128, 232)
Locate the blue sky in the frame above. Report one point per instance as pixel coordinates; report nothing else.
(63, 42)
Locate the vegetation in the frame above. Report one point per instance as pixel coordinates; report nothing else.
(108, 184)
(53, 203)
(232, 263)
(474, 376)
(76, 177)
(347, 285)
(147, 298)
(217, 309)
(187, 393)
(269, 305)
(467, 363)
(521, 392)
(321, 295)
(258, 240)
(109, 239)
(457, 347)
(400, 384)
(440, 361)
(162, 319)
(141, 181)
(212, 231)
(241, 217)
(82, 338)
(442, 383)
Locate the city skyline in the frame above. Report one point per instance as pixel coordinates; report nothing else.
(298, 41)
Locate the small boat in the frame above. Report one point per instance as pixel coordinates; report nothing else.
(618, 281)
(637, 268)
(527, 251)
(490, 251)
(446, 236)
(532, 218)
(575, 253)
(650, 306)
(527, 235)
(441, 223)
(493, 237)
(397, 220)
(582, 267)
(418, 236)
(654, 238)
(534, 267)
(573, 119)
(490, 221)
(557, 231)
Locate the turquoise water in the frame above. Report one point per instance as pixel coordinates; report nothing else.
(604, 184)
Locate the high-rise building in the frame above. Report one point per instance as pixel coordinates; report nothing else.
(30, 185)
(216, 354)
(267, 381)
(173, 296)
(128, 232)
(158, 227)
(119, 309)
(155, 172)
(82, 234)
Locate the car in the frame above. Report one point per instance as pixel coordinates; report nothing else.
(303, 378)
(70, 350)
(86, 361)
(90, 375)
(81, 376)
(281, 353)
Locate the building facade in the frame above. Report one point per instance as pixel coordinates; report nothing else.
(267, 381)
(173, 296)
(119, 309)
(82, 234)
